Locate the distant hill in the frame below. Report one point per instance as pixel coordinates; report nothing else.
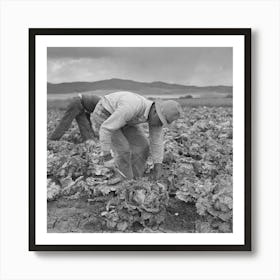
(154, 88)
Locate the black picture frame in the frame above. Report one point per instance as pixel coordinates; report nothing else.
(246, 32)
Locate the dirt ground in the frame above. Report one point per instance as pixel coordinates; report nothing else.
(83, 216)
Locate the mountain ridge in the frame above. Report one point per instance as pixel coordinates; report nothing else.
(130, 85)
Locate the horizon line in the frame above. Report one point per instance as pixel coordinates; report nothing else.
(190, 85)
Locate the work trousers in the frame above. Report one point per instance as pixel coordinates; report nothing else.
(129, 144)
(75, 110)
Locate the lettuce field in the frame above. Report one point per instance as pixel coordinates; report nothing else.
(193, 195)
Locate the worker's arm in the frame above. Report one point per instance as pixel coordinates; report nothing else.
(156, 142)
(157, 149)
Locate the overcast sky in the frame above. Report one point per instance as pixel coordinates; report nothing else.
(188, 66)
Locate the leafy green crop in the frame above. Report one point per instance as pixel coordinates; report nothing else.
(141, 202)
(197, 169)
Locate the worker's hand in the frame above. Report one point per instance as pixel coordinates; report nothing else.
(157, 171)
(105, 157)
(90, 144)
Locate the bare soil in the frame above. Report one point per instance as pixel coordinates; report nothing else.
(82, 216)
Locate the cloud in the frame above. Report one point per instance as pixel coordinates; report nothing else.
(199, 66)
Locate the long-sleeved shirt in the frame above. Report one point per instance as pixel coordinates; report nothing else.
(128, 108)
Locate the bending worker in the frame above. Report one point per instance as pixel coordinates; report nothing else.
(117, 118)
(80, 109)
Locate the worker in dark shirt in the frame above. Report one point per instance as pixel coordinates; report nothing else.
(80, 109)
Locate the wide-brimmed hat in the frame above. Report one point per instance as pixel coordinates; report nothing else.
(168, 111)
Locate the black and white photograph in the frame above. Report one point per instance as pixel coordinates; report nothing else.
(140, 140)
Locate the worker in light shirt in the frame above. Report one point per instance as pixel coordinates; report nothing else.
(117, 118)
